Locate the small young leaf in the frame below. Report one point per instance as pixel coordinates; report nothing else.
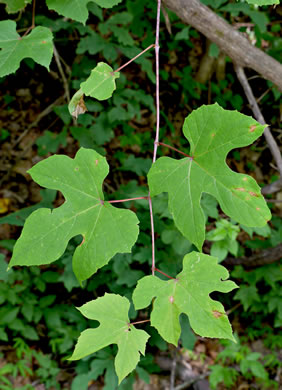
(189, 294)
(212, 132)
(101, 82)
(112, 312)
(36, 45)
(106, 230)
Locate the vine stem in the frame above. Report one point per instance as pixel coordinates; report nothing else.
(134, 58)
(126, 200)
(33, 19)
(157, 49)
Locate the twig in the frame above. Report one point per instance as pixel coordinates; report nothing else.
(62, 73)
(45, 112)
(264, 257)
(173, 371)
(259, 117)
(33, 20)
(190, 382)
(134, 58)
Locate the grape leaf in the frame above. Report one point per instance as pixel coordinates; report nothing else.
(101, 82)
(112, 312)
(106, 230)
(263, 2)
(13, 6)
(212, 132)
(100, 85)
(77, 10)
(189, 294)
(36, 45)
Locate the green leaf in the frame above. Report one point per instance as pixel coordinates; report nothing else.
(106, 230)
(212, 133)
(36, 45)
(189, 294)
(112, 312)
(247, 295)
(263, 2)
(13, 6)
(3, 268)
(101, 82)
(107, 3)
(77, 10)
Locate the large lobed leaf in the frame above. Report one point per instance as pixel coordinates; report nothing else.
(212, 132)
(36, 45)
(106, 230)
(189, 294)
(112, 312)
(77, 9)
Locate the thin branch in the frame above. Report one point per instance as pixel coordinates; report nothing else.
(173, 371)
(33, 19)
(45, 112)
(134, 58)
(176, 150)
(126, 200)
(190, 382)
(62, 73)
(259, 117)
(264, 257)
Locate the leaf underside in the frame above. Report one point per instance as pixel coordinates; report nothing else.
(36, 45)
(212, 132)
(112, 312)
(106, 230)
(189, 294)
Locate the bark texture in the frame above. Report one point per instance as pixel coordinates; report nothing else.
(231, 42)
(264, 257)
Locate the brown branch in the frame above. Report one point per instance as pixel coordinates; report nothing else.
(44, 113)
(275, 151)
(62, 73)
(230, 41)
(264, 257)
